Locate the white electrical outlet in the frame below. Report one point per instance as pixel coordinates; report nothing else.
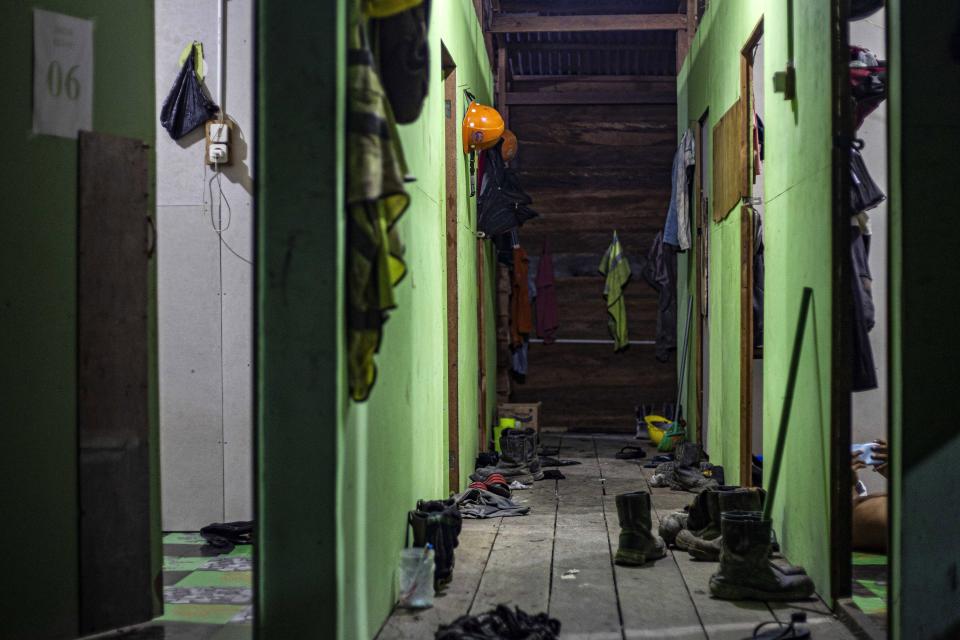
(217, 153)
(219, 133)
(218, 142)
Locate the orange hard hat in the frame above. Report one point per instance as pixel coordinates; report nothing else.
(482, 127)
(510, 145)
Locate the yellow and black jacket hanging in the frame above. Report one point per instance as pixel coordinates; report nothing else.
(616, 269)
(375, 198)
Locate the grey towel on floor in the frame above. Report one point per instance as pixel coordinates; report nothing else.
(477, 503)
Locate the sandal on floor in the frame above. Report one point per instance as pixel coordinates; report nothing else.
(630, 453)
(547, 461)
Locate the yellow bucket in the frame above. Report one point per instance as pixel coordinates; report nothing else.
(505, 423)
(656, 427)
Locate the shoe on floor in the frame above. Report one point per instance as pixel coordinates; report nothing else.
(701, 548)
(637, 544)
(745, 571)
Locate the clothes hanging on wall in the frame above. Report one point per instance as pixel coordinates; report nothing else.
(758, 276)
(504, 356)
(677, 228)
(757, 139)
(518, 361)
(865, 194)
(402, 45)
(520, 321)
(503, 246)
(868, 83)
(502, 204)
(864, 369)
(375, 199)
(616, 270)
(660, 272)
(548, 318)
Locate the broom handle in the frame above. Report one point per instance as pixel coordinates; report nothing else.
(787, 401)
(683, 360)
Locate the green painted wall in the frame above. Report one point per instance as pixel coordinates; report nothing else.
(924, 270)
(38, 337)
(797, 198)
(393, 447)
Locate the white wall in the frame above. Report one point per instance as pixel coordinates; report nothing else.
(870, 407)
(205, 292)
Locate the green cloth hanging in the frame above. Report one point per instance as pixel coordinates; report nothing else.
(375, 198)
(616, 268)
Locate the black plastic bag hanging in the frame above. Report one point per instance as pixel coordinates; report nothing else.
(187, 105)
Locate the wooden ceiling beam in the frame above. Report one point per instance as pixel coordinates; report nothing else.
(589, 97)
(585, 46)
(507, 23)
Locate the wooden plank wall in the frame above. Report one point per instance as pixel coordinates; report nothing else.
(592, 169)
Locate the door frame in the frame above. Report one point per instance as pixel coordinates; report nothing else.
(703, 267)
(841, 419)
(451, 164)
(746, 266)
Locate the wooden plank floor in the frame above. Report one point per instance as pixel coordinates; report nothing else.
(559, 559)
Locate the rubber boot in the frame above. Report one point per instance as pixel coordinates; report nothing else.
(710, 502)
(437, 522)
(737, 500)
(745, 571)
(515, 455)
(530, 452)
(671, 525)
(638, 544)
(688, 454)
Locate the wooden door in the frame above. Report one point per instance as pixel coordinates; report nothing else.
(113, 423)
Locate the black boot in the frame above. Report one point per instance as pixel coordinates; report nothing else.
(515, 455)
(736, 500)
(530, 453)
(437, 522)
(745, 571)
(688, 454)
(707, 508)
(671, 525)
(638, 544)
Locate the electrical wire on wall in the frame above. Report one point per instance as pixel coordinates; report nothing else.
(216, 209)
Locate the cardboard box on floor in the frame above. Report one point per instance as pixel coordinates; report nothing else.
(521, 409)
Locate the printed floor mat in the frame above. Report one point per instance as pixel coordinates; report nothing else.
(870, 585)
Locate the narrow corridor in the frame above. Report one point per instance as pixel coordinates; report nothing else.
(559, 559)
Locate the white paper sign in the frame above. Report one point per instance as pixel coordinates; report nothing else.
(62, 74)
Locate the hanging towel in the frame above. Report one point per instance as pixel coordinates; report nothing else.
(521, 324)
(375, 198)
(548, 320)
(616, 268)
(677, 228)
